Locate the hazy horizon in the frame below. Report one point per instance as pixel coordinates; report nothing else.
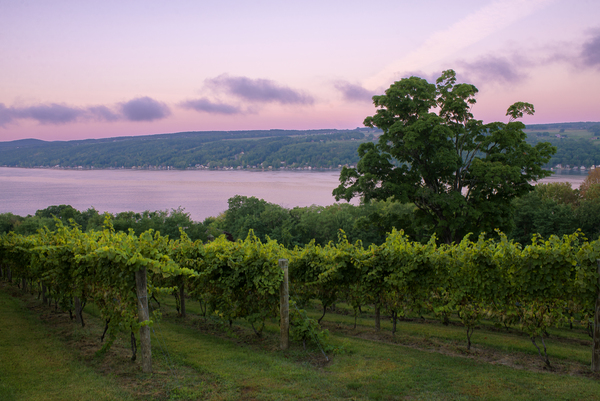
(78, 70)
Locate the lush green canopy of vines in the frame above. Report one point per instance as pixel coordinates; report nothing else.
(550, 282)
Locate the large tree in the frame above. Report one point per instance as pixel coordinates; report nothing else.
(460, 173)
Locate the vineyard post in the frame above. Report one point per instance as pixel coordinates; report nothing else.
(143, 315)
(182, 296)
(596, 349)
(284, 307)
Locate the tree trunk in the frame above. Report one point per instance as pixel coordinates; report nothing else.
(469, 334)
(323, 315)
(44, 297)
(105, 330)
(377, 317)
(177, 302)
(78, 311)
(545, 357)
(133, 347)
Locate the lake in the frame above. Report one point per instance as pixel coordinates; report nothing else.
(201, 193)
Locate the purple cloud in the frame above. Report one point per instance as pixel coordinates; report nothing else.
(6, 115)
(207, 106)
(139, 109)
(353, 93)
(590, 54)
(43, 113)
(258, 90)
(103, 113)
(49, 114)
(144, 109)
(493, 69)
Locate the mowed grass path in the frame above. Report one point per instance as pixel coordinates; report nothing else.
(366, 370)
(34, 365)
(369, 370)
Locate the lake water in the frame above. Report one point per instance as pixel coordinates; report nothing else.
(201, 193)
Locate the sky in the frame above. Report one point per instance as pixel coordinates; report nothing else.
(80, 69)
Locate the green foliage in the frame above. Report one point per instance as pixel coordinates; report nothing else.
(240, 279)
(556, 209)
(263, 218)
(536, 213)
(258, 149)
(306, 330)
(573, 152)
(9, 222)
(588, 185)
(98, 266)
(299, 226)
(461, 174)
(551, 282)
(560, 192)
(167, 223)
(324, 272)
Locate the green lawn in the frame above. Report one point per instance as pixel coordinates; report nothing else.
(36, 365)
(197, 360)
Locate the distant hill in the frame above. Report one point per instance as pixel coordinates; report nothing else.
(21, 143)
(578, 145)
(274, 149)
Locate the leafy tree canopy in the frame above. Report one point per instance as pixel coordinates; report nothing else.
(588, 184)
(460, 173)
(560, 192)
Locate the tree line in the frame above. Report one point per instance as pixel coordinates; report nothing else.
(550, 209)
(252, 149)
(571, 152)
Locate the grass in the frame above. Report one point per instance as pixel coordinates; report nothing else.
(36, 365)
(570, 345)
(194, 359)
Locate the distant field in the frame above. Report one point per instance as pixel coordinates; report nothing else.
(570, 133)
(567, 133)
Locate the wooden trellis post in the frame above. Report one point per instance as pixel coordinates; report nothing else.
(596, 346)
(144, 315)
(284, 307)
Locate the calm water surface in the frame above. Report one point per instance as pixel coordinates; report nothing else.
(202, 193)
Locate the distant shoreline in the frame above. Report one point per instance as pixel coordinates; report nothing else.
(574, 172)
(169, 168)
